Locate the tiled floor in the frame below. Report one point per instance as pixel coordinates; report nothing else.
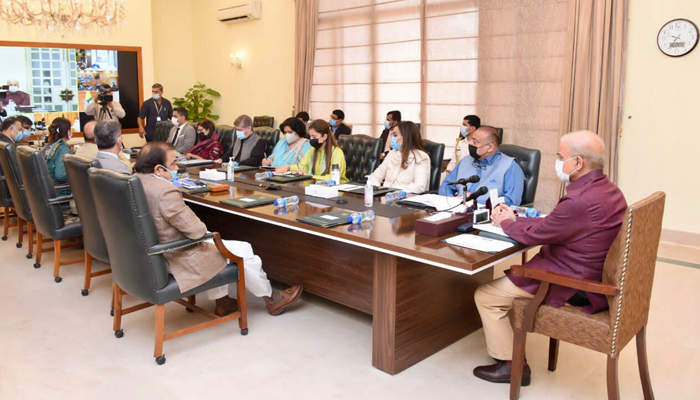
(56, 344)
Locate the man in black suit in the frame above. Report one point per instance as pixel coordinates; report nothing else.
(392, 119)
(337, 126)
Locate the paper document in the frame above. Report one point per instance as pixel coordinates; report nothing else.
(493, 195)
(348, 187)
(491, 228)
(479, 243)
(440, 203)
(438, 217)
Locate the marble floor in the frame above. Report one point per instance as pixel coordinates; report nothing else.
(56, 344)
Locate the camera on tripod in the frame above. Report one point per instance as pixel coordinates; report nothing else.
(104, 94)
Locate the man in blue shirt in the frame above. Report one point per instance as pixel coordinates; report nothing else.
(495, 169)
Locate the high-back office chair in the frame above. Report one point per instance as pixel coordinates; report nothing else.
(270, 135)
(500, 133)
(138, 265)
(529, 161)
(47, 212)
(93, 240)
(15, 185)
(628, 276)
(362, 154)
(162, 131)
(6, 204)
(263, 120)
(226, 134)
(436, 151)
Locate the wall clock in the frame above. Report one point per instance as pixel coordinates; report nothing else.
(677, 37)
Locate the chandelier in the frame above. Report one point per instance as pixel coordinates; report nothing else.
(66, 14)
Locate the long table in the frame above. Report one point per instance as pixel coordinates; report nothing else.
(418, 289)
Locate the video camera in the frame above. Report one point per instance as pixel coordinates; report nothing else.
(104, 94)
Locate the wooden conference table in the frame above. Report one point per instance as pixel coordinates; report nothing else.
(419, 290)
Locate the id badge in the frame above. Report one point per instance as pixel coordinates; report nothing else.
(158, 119)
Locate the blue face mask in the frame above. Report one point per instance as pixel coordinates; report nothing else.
(333, 122)
(26, 133)
(156, 96)
(18, 136)
(387, 124)
(463, 131)
(240, 135)
(394, 143)
(173, 173)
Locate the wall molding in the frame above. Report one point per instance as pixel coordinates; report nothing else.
(680, 237)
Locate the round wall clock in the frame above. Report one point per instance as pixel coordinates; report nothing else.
(677, 37)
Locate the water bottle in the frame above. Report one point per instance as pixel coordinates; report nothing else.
(531, 212)
(261, 176)
(369, 194)
(287, 201)
(335, 173)
(394, 196)
(329, 182)
(358, 217)
(229, 172)
(286, 210)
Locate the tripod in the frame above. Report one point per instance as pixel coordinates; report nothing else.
(104, 109)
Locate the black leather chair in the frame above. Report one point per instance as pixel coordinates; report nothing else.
(270, 136)
(48, 215)
(361, 155)
(15, 185)
(138, 265)
(162, 131)
(93, 240)
(263, 120)
(6, 204)
(529, 161)
(436, 151)
(500, 133)
(226, 133)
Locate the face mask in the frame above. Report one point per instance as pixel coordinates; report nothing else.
(156, 96)
(387, 124)
(14, 89)
(175, 122)
(202, 136)
(70, 135)
(315, 144)
(18, 136)
(173, 173)
(559, 168)
(26, 133)
(473, 151)
(393, 143)
(463, 131)
(333, 122)
(240, 135)
(291, 137)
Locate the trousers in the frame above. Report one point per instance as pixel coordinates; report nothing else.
(256, 281)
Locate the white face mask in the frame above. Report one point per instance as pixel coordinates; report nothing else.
(175, 122)
(156, 96)
(291, 137)
(14, 89)
(559, 168)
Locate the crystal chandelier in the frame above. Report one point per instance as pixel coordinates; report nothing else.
(65, 14)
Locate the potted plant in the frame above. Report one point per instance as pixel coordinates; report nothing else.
(197, 102)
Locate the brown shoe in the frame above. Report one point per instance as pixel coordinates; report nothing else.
(283, 299)
(500, 373)
(225, 306)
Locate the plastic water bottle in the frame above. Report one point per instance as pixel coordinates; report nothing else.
(393, 196)
(369, 194)
(261, 176)
(358, 217)
(287, 201)
(329, 182)
(286, 210)
(229, 172)
(335, 173)
(531, 212)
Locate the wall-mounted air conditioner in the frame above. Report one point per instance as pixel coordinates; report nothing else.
(241, 12)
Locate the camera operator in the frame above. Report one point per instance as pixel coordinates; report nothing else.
(103, 106)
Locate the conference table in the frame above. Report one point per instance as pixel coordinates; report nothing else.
(418, 289)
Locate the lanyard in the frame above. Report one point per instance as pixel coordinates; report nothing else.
(158, 110)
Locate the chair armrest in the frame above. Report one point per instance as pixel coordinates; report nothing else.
(555, 278)
(61, 186)
(226, 253)
(175, 245)
(60, 199)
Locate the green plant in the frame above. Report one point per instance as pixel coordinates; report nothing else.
(197, 103)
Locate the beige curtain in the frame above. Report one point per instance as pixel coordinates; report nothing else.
(306, 13)
(594, 72)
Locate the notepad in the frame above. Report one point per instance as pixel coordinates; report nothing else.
(250, 201)
(440, 203)
(491, 228)
(479, 243)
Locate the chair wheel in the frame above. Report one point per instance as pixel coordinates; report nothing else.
(244, 332)
(19, 245)
(4, 238)
(119, 334)
(111, 312)
(84, 292)
(58, 279)
(29, 256)
(160, 360)
(37, 265)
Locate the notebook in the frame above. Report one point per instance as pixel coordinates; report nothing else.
(289, 178)
(253, 200)
(327, 219)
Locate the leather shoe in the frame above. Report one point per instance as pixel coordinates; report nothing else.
(283, 299)
(225, 306)
(500, 373)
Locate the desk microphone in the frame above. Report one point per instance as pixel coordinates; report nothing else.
(479, 192)
(464, 181)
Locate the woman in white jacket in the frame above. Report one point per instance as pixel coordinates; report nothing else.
(407, 166)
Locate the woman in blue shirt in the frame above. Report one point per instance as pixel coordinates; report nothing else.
(56, 150)
(292, 148)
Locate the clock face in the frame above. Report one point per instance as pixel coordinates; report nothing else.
(678, 37)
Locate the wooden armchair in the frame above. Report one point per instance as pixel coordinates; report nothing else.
(628, 276)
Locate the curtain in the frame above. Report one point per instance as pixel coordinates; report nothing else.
(306, 13)
(594, 74)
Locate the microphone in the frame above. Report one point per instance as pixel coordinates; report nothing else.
(479, 192)
(464, 181)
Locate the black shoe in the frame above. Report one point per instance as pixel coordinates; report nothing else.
(500, 373)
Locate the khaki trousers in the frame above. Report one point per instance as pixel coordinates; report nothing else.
(494, 300)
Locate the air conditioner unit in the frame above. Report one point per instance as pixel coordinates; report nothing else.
(241, 12)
